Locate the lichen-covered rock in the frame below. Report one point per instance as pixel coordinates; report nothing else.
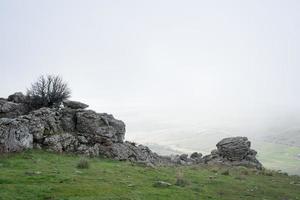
(131, 152)
(11, 110)
(99, 127)
(14, 136)
(59, 129)
(68, 119)
(61, 142)
(43, 122)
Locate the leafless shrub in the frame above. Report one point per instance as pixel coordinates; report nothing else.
(48, 91)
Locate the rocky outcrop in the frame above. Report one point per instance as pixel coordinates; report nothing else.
(14, 106)
(10, 109)
(234, 151)
(72, 128)
(17, 97)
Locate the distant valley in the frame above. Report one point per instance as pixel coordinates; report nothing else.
(276, 150)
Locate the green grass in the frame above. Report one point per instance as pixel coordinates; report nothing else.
(48, 176)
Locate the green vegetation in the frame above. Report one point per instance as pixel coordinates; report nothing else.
(43, 175)
(83, 164)
(278, 156)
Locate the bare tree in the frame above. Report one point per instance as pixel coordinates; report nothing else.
(48, 91)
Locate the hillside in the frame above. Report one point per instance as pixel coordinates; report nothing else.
(278, 156)
(42, 175)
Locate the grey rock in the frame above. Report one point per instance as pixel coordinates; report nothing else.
(6, 106)
(99, 127)
(182, 160)
(11, 110)
(214, 153)
(62, 129)
(234, 151)
(61, 142)
(196, 158)
(17, 97)
(196, 155)
(234, 148)
(44, 122)
(68, 119)
(14, 136)
(74, 104)
(161, 184)
(184, 157)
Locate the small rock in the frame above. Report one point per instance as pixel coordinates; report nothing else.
(162, 184)
(196, 155)
(183, 157)
(30, 173)
(75, 104)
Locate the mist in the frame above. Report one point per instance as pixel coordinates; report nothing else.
(198, 69)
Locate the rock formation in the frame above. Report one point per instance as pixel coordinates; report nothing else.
(74, 104)
(234, 151)
(9, 109)
(72, 128)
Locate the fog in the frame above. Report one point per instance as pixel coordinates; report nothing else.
(179, 73)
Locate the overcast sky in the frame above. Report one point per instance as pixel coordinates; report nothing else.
(117, 55)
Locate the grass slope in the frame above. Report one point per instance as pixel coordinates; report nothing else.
(278, 156)
(43, 175)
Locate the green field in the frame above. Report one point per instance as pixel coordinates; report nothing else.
(43, 175)
(279, 157)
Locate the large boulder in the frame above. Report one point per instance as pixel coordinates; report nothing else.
(43, 122)
(234, 148)
(10, 109)
(100, 127)
(59, 129)
(234, 151)
(196, 157)
(17, 97)
(68, 119)
(14, 136)
(61, 142)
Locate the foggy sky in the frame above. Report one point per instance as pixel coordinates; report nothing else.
(186, 59)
